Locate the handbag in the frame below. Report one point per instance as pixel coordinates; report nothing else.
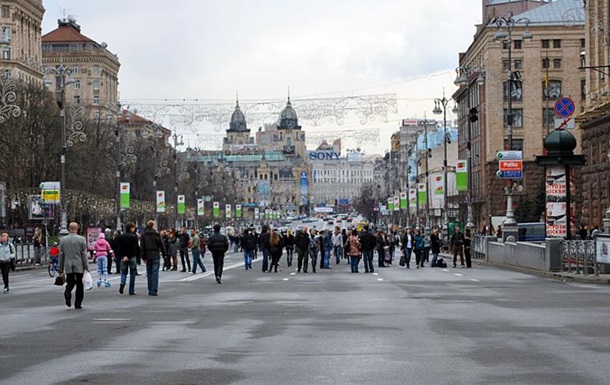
(60, 280)
(402, 261)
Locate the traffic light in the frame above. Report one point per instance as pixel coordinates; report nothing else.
(473, 114)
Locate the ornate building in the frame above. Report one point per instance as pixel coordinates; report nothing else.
(20, 39)
(544, 46)
(89, 68)
(594, 177)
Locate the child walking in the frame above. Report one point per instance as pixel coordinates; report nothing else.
(102, 251)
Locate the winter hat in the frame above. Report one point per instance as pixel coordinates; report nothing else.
(101, 236)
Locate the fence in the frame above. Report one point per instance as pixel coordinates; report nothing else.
(579, 256)
(28, 255)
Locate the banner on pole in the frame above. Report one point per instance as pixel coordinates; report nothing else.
(257, 213)
(390, 204)
(160, 201)
(181, 204)
(124, 196)
(461, 175)
(396, 203)
(403, 200)
(238, 211)
(200, 207)
(422, 193)
(228, 211)
(216, 209)
(439, 186)
(412, 198)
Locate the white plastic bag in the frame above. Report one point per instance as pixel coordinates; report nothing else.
(87, 281)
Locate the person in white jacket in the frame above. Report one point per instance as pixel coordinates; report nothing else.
(337, 244)
(7, 255)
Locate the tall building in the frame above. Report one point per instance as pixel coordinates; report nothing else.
(20, 39)
(92, 69)
(541, 70)
(595, 120)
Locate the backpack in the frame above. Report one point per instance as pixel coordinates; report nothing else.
(441, 263)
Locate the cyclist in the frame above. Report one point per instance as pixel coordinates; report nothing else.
(54, 254)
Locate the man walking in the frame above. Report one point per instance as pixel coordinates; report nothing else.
(368, 243)
(127, 252)
(457, 244)
(218, 245)
(73, 262)
(196, 251)
(301, 242)
(183, 238)
(264, 244)
(151, 247)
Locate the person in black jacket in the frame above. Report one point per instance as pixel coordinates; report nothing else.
(368, 242)
(183, 247)
(264, 244)
(276, 243)
(301, 242)
(457, 244)
(127, 251)
(289, 243)
(218, 244)
(151, 248)
(248, 245)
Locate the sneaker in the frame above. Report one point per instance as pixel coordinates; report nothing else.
(6, 290)
(122, 288)
(218, 280)
(99, 283)
(107, 284)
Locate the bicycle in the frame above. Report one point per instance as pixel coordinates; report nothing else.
(53, 266)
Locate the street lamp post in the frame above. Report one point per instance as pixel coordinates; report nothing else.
(427, 154)
(509, 226)
(177, 142)
(440, 107)
(463, 79)
(125, 156)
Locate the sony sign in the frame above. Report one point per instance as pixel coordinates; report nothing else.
(324, 155)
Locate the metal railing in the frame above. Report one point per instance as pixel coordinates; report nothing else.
(28, 255)
(578, 256)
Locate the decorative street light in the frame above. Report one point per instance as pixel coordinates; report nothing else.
(8, 96)
(463, 79)
(427, 154)
(177, 142)
(125, 155)
(509, 226)
(440, 107)
(61, 73)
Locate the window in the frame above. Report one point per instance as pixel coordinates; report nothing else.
(77, 84)
(96, 100)
(516, 145)
(517, 44)
(548, 117)
(6, 11)
(95, 70)
(6, 53)
(582, 43)
(76, 99)
(583, 88)
(516, 91)
(545, 63)
(546, 43)
(556, 63)
(556, 43)
(96, 85)
(6, 33)
(517, 117)
(552, 91)
(505, 44)
(75, 70)
(518, 64)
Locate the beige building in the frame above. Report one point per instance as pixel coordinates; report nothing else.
(20, 40)
(544, 68)
(594, 177)
(90, 69)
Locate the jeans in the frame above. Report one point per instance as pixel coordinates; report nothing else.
(289, 254)
(219, 261)
(381, 257)
(184, 258)
(338, 252)
(434, 258)
(152, 275)
(5, 267)
(265, 259)
(75, 279)
(131, 265)
(326, 258)
(248, 255)
(354, 261)
(302, 260)
(313, 255)
(368, 261)
(407, 251)
(197, 260)
(102, 267)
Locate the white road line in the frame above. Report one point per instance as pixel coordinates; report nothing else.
(459, 275)
(446, 270)
(375, 273)
(111, 319)
(380, 279)
(293, 273)
(285, 279)
(474, 280)
(209, 273)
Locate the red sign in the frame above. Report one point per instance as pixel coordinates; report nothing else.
(511, 165)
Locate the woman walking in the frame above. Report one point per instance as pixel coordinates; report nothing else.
(408, 243)
(419, 248)
(7, 256)
(354, 250)
(289, 242)
(275, 249)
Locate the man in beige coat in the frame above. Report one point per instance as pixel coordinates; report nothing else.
(73, 262)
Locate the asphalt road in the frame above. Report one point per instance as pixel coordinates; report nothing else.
(419, 326)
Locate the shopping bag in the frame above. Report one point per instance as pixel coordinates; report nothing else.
(87, 281)
(402, 261)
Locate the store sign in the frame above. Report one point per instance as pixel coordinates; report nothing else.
(324, 155)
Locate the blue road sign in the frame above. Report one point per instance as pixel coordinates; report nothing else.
(564, 107)
(510, 174)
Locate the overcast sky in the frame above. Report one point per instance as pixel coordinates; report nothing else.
(211, 49)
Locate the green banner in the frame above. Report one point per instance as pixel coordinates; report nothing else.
(200, 207)
(228, 212)
(422, 195)
(124, 201)
(216, 209)
(181, 204)
(390, 204)
(238, 211)
(403, 201)
(461, 175)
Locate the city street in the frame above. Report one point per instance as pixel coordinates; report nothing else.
(420, 326)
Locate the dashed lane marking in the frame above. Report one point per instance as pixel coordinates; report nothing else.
(285, 279)
(459, 275)
(474, 280)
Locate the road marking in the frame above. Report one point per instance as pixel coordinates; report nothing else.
(459, 275)
(380, 279)
(474, 280)
(111, 319)
(293, 273)
(446, 270)
(285, 279)
(209, 273)
(375, 273)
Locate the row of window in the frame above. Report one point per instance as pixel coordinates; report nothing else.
(73, 70)
(546, 63)
(550, 91)
(545, 44)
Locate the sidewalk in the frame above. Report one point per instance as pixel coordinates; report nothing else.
(602, 279)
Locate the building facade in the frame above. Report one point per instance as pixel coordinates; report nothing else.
(594, 177)
(20, 39)
(90, 69)
(541, 69)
